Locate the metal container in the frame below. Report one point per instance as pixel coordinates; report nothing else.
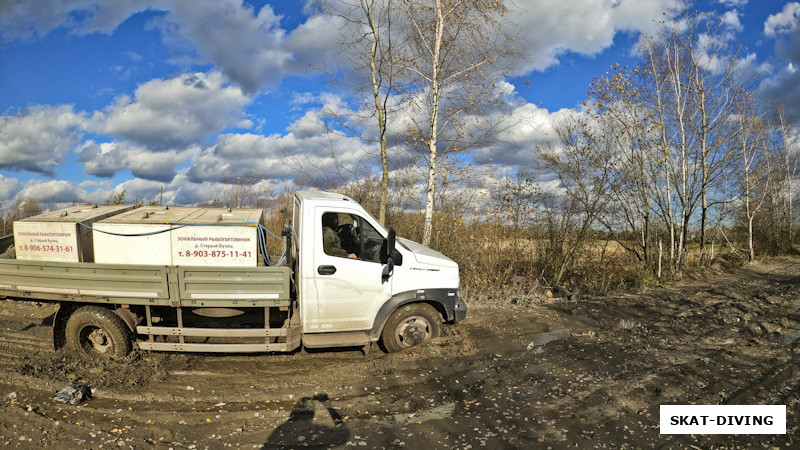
(218, 237)
(185, 236)
(57, 235)
(140, 236)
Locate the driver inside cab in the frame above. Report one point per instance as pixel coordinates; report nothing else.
(332, 239)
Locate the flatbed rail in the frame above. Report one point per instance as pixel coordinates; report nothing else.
(146, 285)
(174, 290)
(84, 282)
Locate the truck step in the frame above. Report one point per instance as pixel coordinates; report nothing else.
(212, 332)
(218, 348)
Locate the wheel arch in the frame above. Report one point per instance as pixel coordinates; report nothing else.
(434, 297)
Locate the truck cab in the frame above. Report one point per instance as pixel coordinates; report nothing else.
(370, 292)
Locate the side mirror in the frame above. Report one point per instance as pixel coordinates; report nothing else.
(390, 242)
(387, 252)
(387, 249)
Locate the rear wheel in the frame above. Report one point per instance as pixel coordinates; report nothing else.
(411, 325)
(97, 332)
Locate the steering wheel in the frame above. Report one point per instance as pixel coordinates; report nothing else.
(345, 228)
(372, 251)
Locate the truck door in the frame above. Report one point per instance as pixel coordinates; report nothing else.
(350, 280)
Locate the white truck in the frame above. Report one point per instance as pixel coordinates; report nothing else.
(351, 284)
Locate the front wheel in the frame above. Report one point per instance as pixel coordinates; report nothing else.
(411, 325)
(97, 332)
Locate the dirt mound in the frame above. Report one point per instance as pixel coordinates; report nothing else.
(136, 369)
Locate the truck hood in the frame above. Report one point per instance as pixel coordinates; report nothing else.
(425, 255)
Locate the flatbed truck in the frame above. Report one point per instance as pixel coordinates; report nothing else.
(388, 290)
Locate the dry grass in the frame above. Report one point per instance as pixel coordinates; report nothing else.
(500, 265)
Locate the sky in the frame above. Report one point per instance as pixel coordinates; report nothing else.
(97, 97)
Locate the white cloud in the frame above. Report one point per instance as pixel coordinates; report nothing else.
(276, 157)
(52, 192)
(784, 86)
(310, 149)
(734, 3)
(8, 189)
(785, 21)
(180, 191)
(133, 56)
(56, 194)
(248, 45)
(527, 126)
(106, 159)
(245, 44)
(308, 125)
(554, 27)
(731, 21)
(749, 68)
(177, 112)
(23, 19)
(149, 190)
(304, 98)
(240, 155)
(38, 138)
(155, 132)
(93, 185)
(251, 48)
(304, 154)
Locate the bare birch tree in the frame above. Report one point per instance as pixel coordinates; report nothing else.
(788, 143)
(367, 44)
(754, 163)
(691, 86)
(450, 52)
(714, 94)
(666, 73)
(630, 134)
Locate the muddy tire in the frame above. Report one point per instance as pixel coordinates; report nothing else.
(411, 325)
(97, 332)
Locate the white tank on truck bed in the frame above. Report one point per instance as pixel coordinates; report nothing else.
(57, 236)
(218, 237)
(140, 236)
(186, 236)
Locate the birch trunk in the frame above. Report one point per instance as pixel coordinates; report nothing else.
(433, 115)
(380, 108)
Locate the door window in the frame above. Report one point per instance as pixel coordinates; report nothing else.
(350, 236)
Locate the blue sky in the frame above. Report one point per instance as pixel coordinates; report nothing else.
(96, 97)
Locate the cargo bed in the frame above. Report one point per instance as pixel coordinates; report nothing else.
(150, 291)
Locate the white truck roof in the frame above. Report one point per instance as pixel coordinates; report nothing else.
(322, 196)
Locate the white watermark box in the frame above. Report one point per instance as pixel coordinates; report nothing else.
(723, 419)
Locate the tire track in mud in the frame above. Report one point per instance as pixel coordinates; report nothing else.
(775, 385)
(15, 346)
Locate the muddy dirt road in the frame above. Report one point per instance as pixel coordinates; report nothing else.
(588, 373)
